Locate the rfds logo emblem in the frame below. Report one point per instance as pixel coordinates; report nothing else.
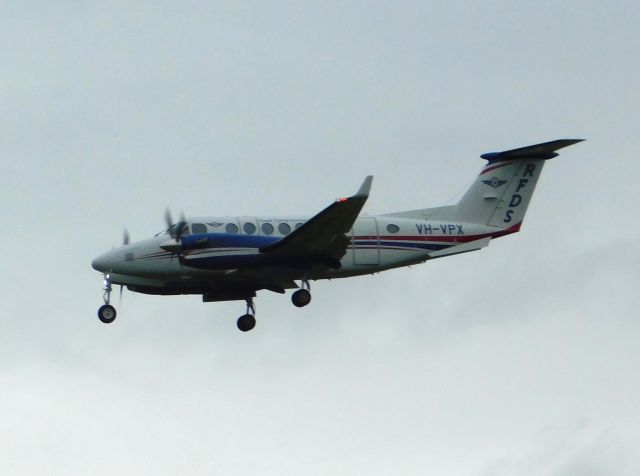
(495, 182)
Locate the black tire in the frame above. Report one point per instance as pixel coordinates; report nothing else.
(301, 298)
(107, 314)
(246, 322)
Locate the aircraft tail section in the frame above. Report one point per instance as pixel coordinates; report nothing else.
(502, 191)
(500, 194)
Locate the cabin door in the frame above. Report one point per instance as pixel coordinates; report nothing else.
(366, 244)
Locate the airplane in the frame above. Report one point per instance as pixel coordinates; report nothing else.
(231, 258)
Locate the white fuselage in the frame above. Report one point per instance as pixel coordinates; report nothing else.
(377, 243)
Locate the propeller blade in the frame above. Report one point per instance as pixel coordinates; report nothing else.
(167, 218)
(175, 230)
(180, 226)
(125, 237)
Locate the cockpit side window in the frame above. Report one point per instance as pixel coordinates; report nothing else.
(198, 228)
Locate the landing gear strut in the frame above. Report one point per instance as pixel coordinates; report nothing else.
(107, 313)
(302, 296)
(248, 321)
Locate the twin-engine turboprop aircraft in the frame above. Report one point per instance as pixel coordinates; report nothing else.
(231, 258)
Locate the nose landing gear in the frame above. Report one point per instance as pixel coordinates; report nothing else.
(248, 321)
(107, 313)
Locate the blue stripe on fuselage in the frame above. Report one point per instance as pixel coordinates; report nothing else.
(225, 240)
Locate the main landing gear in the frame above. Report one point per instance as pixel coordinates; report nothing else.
(107, 313)
(248, 321)
(300, 298)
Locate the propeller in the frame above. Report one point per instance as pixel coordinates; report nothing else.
(167, 218)
(175, 230)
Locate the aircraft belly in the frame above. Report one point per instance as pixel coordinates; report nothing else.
(388, 258)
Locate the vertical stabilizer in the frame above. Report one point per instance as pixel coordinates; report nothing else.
(501, 193)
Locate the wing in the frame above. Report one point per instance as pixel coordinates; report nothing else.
(324, 235)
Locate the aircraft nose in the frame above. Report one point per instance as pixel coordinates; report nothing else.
(101, 263)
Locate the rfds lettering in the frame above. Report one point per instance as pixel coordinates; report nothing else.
(516, 198)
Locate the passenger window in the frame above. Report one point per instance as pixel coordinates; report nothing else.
(198, 228)
(267, 228)
(391, 228)
(231, 228)
(249, 228)
(298, 225)
(284, 228)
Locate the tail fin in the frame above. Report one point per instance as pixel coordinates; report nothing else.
(500, 195)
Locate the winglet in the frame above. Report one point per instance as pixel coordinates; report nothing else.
(323, 235)
(544, 151)
(365, 187)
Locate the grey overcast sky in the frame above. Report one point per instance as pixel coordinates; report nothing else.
(521, 359)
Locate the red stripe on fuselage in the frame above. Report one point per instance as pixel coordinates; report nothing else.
(444, 238)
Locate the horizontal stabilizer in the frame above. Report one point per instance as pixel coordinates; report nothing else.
(546, 150)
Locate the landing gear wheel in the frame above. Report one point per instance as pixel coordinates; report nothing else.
(301, 298)
(107, 313)
(246, 322)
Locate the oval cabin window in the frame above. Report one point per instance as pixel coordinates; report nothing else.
(284, 228)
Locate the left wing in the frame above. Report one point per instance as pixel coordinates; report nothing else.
(324, 235)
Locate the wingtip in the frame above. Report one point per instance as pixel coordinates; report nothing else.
(365, 188)
(571, 141)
